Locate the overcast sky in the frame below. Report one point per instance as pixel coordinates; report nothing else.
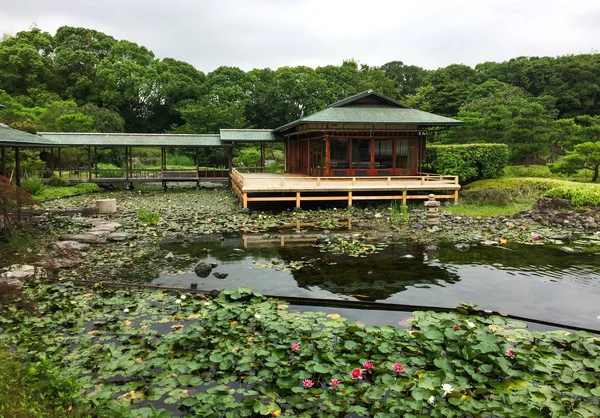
(275, 33)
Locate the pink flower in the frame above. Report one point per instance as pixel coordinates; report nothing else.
(356, 373)
(456, 327)
(535, 236)
(111, 254)
(195, 218)
(521, 227)
(307, 383)
(234, 219)
(398, 367)
(368, 365)
(510, 352)
(334, 382)
(295, 347)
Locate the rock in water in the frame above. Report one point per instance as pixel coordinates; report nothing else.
(203, 269)
(462, 247)
(170, 256)
(568, 250)
(220, 275)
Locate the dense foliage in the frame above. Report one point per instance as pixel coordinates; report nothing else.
(468, 161)
(83, 80)
(241, 354)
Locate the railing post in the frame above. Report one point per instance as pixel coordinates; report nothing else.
(318, 181)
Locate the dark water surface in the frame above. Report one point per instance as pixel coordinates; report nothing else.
(533, 281)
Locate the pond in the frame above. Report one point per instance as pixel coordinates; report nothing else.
(532, 281)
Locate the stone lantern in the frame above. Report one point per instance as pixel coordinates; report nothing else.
(433, 211)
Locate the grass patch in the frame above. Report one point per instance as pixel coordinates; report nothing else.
(56, 192)
(542, 171)
(26, 391)
(488, 210)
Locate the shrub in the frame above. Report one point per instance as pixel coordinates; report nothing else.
(467, 161)
(56, 181)
(110, 171)
(180, 160)
(578, 194)
(148, 216)
(33, 184)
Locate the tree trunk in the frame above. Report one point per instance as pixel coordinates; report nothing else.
(595, 174)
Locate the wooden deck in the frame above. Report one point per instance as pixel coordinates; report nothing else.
(285, 187)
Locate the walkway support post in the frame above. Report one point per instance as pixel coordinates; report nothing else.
(89, 152)
(197, 168)
(59, 165)
(230, 162)
(163, 165)
(3, 162)
(262, 157)
(52, 160)
(17, 166)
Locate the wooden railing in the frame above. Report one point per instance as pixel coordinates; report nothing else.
(157, 174)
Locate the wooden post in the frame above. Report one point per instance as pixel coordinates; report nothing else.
(3, 162)
(456, 196)
(403, 197)
(96, 161)
(126, 164)
(350, 198)
(52, 160)
(59, 164)
(285, 156)
(327, 157)
(262, 157)
(198, 168)
(245, 200)
(89, 152)
(17, 167)
(297, 200)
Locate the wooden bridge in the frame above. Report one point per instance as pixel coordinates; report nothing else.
(285, 187)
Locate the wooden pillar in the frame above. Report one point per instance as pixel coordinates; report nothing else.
(350, 198)
(126, 163)
(327, 156)
(17, 167)
(198, 168)
(59, 164)
(96, 161)
(3, 162)
(52, 160)
(262, 157)
(297, 200)
(230, 158)
(89, 152)
(163, 165)
(285, 156)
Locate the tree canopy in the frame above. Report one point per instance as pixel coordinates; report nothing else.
(84, 80)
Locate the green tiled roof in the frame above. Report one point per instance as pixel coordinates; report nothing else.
(375, 115)
(249, 135)
(13, 137)
(134, 140)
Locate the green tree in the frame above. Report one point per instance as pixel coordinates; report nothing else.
(585, 156)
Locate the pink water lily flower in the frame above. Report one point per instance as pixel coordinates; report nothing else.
(334, 382)
(356, 373)
(295, 347)
(456, 327)
(535, 236)
(307, 383)
(368, 365)
(398, 367)
(510, 352)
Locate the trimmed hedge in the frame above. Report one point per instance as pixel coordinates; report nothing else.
(469, 162)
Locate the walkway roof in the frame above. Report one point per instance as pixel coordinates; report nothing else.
(133, 139)
(12, 137)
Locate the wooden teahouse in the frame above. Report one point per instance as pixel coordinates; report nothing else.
(365, 147)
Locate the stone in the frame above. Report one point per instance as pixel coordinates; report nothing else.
(203, 269)
(432, 248)
(237, 251)
(61, 262)
(408, 256)
(488, 243)
(565, 237)
(434, 229)
(568, 250)
(106, 205)
(120, 236)
(220, 275)
(86, 238)
(72, 246)
(106, 226)
(462, 247)
(170, 256)
(11, 282)
(17, 273)
(205, 250)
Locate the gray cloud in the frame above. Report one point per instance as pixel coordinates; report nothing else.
(274, 33)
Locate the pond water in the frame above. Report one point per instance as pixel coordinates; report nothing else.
(533, 281)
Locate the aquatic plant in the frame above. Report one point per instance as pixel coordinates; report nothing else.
(218, 358)
(149, 217)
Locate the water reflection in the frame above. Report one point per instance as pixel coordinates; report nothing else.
(532, 281)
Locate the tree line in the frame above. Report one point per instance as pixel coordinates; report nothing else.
(82, 80)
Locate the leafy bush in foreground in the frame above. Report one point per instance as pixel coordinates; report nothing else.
(242, 355)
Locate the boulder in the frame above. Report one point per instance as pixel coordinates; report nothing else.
(17, 273)
(170, 256)
(462, 247)
(203, 269)
(551, 203)
(106, 226)
(568, 250)
(106, 205)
